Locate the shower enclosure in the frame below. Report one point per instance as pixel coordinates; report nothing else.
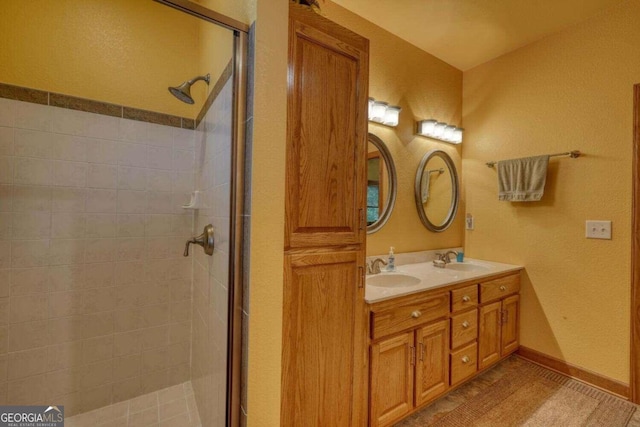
(100, 311)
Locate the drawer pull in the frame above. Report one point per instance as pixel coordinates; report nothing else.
(416, 314)
(465, 324)
(503, 288)
(466, 298)
(465, 359)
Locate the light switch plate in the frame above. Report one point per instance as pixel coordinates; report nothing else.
(598, 230)
(469, 223)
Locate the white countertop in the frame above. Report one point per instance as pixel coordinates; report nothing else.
(431, 277)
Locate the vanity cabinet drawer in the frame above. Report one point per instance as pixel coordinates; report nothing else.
(409, 314)
(464, 298)
(464, 328)
(499, 288)
(464, 363)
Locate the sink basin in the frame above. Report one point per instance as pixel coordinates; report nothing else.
(392, 280)
(466, 267)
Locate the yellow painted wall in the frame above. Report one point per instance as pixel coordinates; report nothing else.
(120, 51)
(267, 213)
(569, 91)
(425, 87)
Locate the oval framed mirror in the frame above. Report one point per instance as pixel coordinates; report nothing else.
(437, 191)
(381, 184)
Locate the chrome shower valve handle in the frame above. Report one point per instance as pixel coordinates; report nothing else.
(205, 240)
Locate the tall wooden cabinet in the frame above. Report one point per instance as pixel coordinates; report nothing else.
(324, 378)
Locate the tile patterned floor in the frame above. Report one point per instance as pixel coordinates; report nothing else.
(170, 407)
(451, 401)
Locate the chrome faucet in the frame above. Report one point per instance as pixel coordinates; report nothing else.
(445, 256)
(374, 268)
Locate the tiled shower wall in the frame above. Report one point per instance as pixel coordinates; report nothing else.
(211, 274)
(95, 296)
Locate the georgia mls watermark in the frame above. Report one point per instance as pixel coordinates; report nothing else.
(31, 416)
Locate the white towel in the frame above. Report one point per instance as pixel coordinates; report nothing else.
(522, 180)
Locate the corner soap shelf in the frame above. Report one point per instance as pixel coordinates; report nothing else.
(195, 202)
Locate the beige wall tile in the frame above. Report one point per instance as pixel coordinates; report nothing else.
(28, 335)
(127, 343)
(127, 367)
(131, 225)
(5, 225)
(29, 253)
(143, 402)
(65, 304)
(127, 389)
(5, 253)
(65, 329)
(30, 171)
(26, 363)
(4, 365)
(180, 332)
(127, 320)
(31, 198)
(152, 381)
(29, 308)
(4, 311)
(174, 408)
(96, 374)
(155, 337)
(101, 250)
(70, 174)
(102, 176)
(132, 202)
(100, 275)
(67, 277)
(99, 299)
(130, 178)
(6, 169)
(6, 141)
(156, 359)
(101, 201)
(26, 391)
(97, 324)
(66, 251)
(97, 349)
(100, 226)
(102, 151)
(96, 398)
(29, 143)
(5, 282)
(63, 382)
(64, 355)
(29, 225)
(170, 394)
(130, 273)
(68, 199)
(29, 281)
(6, 198)
(181, 311)
(4, 339)
(68, 147)
(68, 225)
(155, 315)
(130, 249)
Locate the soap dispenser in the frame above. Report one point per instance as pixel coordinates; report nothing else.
(391, 262)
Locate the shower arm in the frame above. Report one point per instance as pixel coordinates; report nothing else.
(206, 78)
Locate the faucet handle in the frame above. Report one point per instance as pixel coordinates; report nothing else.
(205, 240)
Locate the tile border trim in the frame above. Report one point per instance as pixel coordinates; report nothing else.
(35, 96)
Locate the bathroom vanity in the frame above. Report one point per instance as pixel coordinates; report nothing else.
(433, 329)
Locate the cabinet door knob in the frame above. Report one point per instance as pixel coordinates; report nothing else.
(465, 359)
(466, 298)
(503, 288)
(465, 324)
(416, 314)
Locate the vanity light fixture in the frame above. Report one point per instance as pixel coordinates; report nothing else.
(440, 130)
(381, 112)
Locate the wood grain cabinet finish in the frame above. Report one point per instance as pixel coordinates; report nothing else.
(432, 369)
(325, 336)
(326, 132)
(424, 345)
(499, 321)
(392, 377)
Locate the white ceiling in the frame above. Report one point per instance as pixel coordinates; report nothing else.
(466, 33)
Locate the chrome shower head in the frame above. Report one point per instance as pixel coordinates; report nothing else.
(183, 92)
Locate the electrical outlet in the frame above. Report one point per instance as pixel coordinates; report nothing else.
(469, 221)
(598, 230)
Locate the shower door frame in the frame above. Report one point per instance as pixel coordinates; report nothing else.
(234, 336)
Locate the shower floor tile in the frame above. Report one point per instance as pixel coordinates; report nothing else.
(169, 407)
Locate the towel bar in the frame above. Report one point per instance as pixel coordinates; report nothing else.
(573, 154)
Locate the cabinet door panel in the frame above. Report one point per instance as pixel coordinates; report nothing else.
(391, 379)
(510, 325)
(326, 135)
(323, 346)
(432, 367)
(489, 334)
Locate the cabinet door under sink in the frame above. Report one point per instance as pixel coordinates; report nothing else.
(432, 365)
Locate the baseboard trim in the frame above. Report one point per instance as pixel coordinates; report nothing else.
(604, 383)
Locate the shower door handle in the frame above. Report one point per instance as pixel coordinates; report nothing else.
(205, 240)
